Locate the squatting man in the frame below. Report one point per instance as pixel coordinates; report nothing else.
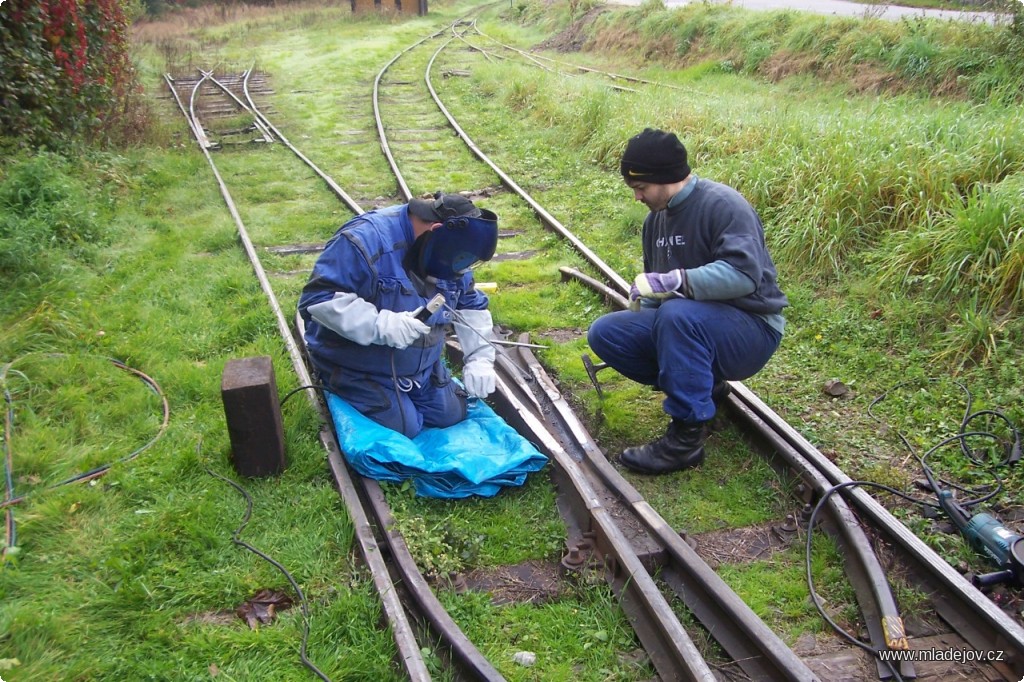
(705, 310)
(370, 333)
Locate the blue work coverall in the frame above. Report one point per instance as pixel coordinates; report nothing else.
(402, 389)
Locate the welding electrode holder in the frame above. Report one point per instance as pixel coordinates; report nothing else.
(433, 305)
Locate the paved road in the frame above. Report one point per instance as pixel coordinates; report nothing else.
(843, 8)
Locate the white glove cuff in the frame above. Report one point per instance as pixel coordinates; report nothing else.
(475, 329)
(349, 316)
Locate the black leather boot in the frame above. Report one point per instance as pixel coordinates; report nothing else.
(681, 447)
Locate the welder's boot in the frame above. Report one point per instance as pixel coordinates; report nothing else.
(681, 447)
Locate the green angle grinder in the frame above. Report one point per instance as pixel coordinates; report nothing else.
(987, 535)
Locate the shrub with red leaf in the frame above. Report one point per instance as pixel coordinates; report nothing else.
(65, 71)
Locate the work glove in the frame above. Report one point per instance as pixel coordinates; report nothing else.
(475, 328)
(358, 320)
(634, 298)
(479, 378)
(398, 330)
(661, 284)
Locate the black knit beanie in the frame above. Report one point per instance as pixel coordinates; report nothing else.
(656, 157)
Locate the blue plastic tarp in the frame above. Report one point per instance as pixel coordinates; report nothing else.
(478, 456)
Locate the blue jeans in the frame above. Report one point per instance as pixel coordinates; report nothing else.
(684, 347)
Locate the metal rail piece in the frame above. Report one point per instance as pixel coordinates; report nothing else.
(874, 596)
(403, 187)
(549, 220)
(755, 648)
(408, 650)
(360, 493)
(334, 187)
(669, 647)
(257, 122)
(969, 612)
(866, 575)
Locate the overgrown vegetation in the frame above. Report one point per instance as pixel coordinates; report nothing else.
(66, 73)
(45, 218)
(920, 208)
(970, 60)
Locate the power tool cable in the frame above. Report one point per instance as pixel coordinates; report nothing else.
(937, 485)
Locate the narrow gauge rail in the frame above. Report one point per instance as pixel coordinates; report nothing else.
(956, 600)
(873, 593)
(990, 626)
(971, 614)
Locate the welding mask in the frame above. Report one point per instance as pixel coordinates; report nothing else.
(458, 245)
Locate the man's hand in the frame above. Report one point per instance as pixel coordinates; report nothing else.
(399, 330)
(634, 298)
(660, 284)
(479, 377)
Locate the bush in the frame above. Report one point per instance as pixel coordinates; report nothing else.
(66, 71)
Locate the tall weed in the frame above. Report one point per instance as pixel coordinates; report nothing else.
(975, 61)
(972, 251)
(46, 214)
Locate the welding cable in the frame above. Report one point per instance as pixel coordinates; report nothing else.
(236, 538)
(10, 499)
(810, 577)
(1012, 449)
(315, 387)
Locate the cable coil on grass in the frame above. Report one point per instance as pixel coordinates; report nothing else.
(10, 499)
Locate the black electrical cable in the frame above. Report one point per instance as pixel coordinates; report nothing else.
(960, 437)
(10, 499)
(810, 576)
(304, 606)
(236, 539)
(934, 480)
(11, 532)
(306, 387)
(1013, 450)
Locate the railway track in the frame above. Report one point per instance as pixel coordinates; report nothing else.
(612, 532)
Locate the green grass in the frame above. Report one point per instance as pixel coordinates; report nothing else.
(891, 214)
(582, 632)
(777, 588)
(460, 535)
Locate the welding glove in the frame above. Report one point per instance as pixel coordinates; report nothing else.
(358, 320)
(475, 328)
(661, 284)
(399, 330)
